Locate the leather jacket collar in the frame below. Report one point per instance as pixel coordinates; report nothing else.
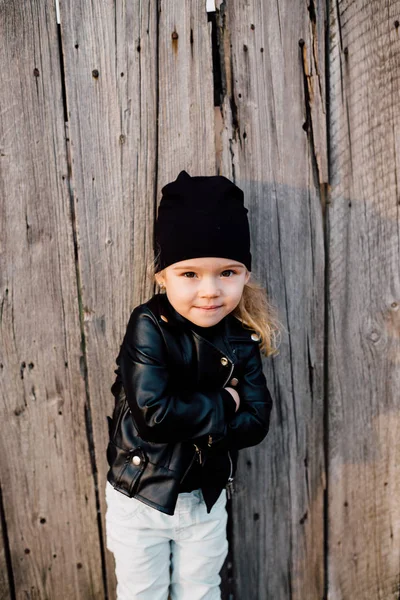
(232, 328)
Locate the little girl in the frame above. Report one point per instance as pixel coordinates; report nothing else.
(189, 393)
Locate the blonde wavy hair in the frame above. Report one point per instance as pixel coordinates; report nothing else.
(254, 311)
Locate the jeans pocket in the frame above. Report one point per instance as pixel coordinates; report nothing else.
(121, 506)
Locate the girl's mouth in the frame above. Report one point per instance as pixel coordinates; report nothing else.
(208, 307)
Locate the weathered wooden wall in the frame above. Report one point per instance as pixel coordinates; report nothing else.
(49, 515)
(96, 115)
(364, 303)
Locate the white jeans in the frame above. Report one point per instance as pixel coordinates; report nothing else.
(158, 554)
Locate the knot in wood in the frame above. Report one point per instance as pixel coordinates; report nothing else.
(374, 336)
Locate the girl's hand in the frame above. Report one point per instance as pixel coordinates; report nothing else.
(235, 396)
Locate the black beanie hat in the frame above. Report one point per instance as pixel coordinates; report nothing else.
(202, 216)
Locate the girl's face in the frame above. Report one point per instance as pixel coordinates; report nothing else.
(204, 290)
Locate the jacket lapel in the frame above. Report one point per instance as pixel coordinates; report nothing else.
(214, 367)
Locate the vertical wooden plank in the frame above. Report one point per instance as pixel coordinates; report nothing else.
(110, 53)
(273, 143)
(46, 479)
(186, 137)
(364, 301)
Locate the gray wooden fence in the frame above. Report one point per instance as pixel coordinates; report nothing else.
(298, 103)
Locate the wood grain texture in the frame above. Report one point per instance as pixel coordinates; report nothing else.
(110, 54)
(364, 303)
(282, 168)
(46, 477)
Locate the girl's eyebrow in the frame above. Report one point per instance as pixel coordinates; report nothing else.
(183, 268)
(224, 267)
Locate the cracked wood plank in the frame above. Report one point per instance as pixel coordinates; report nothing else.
(364, 303)
(46, 478)
(268, 94)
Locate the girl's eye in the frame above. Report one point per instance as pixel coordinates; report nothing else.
(228, 273)
(189, 274)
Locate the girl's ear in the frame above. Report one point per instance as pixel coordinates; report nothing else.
(247, 276)
(160, 279)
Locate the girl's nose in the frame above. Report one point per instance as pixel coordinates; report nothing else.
(209, 288)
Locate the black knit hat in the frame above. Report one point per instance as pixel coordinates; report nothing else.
(202, 216)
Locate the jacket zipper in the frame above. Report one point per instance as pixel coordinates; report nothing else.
(210, 440)
(199, 454)
(187, 470)
(229, 376)
(229, 485)
(230, 478)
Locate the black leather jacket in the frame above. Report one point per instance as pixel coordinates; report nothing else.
(171, 405)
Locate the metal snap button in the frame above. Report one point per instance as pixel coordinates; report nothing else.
(163, 318)
(136, 460)
(255, 337)
(234, 381)
(224, 361)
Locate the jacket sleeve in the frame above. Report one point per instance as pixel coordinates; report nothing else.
(250, 424)
(160, 414)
